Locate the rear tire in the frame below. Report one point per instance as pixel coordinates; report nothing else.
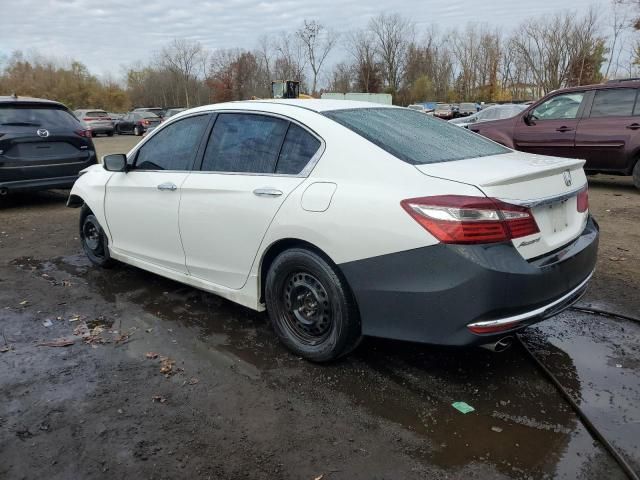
(110, 134)
(636, 175)
(311, 307)
(136, 131)
(94, 241)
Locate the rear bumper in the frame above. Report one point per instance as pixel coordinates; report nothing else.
(38, 184)
(433, 294)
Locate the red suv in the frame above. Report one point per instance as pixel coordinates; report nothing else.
(599, 123)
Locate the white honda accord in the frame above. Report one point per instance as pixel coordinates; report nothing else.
(345, 219)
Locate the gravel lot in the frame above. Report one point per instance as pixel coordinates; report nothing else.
(165, 381)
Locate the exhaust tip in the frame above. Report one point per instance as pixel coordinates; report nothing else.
(500, 345)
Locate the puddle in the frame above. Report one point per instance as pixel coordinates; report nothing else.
(597, 359)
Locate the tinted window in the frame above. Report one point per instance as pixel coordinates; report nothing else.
(243, 142)
(96, 114)
(613, 103)
(414, 137)
(173, 147)
(298, 148)
(30, 115)
(559, 107)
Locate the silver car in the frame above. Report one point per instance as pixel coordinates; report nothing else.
(98, 121)
(494, 112)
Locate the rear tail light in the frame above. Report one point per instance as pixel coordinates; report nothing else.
(83, 132)
(583, 200)
(144, 122)
(468, 220)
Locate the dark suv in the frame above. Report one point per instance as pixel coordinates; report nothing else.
(599, 123)
(42, 145)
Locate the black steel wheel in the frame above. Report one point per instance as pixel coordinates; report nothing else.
(311, 306)
(94, 241)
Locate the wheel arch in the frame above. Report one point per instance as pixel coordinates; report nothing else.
(279, 246)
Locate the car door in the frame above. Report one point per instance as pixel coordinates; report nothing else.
(610, 131)
(141, 205)
(252, 162)
(550, 127)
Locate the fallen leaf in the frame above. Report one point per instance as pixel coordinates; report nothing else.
(5, 348)
(158, 399)
(63, 342)
(194, 381)
(47, 323)
(151, 355)
(319, 477)
(166, 367)
(24, 302)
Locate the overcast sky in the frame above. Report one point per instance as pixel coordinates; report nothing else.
(107, 34)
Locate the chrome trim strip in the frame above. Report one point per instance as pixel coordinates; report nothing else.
(533, 313)
(545, 201)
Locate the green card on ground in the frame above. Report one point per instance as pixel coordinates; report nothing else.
(462, 407)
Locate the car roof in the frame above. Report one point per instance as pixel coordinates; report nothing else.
(315, 104)
(599, 86)
(20, 99)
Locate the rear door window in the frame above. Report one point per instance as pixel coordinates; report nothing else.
(244, 143)
(298, 149)
(36, 116)
(414, 137)
(618, 102)
(174, 147)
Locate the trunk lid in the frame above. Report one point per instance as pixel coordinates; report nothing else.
(548, 185)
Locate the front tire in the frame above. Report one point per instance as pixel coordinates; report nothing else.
(311, 307)
(94, 241)
(636, 175)
(136, 131)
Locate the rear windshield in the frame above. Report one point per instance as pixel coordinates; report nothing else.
(414, 137)
(36, 116)
(96, 113)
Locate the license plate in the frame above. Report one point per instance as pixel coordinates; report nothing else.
(558, 216)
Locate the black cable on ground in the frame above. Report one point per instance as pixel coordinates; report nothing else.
(598, 311)
(628, 470)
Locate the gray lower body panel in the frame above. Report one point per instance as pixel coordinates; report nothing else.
(431, 294)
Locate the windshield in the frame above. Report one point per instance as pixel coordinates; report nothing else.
(36, 116)
(96, 113)
(413, 137)
(443, 106)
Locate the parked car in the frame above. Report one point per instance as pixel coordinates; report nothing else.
(598, 123)
(443, 110)
(495, 112)
(466, 108)
(159, 112)
(173, 111)
(42, 145)
(137, 123)
(98, 121)
(346, 219)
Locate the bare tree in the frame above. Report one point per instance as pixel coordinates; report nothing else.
(183, 58)
(361, 46)
(393, 34)
(318, 42)
(290, 60)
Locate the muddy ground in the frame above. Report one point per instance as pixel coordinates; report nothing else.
(223, 400)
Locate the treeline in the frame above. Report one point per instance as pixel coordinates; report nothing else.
(390, 54)
(68, 82)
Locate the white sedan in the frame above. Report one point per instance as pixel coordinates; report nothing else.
(345, 219)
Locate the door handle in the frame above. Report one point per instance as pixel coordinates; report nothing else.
(267, 192)
(167, 186)
(633, 126)
(564, 129)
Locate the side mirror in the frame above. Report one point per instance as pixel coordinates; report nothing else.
(116, 162)
(528, 118)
